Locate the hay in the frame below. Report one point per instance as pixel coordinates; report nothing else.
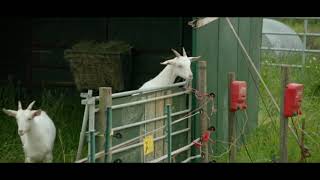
(97, 65)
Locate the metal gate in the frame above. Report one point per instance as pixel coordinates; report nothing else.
(305, 35)
(135, 115)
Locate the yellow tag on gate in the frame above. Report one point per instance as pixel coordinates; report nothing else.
(148, 145)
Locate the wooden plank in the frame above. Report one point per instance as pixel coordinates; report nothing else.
(254, 52)
(159, 112)
(167, 101)
(150, 112)
(243, 73)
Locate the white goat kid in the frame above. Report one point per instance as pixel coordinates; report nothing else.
(37, 133)
(176, 67)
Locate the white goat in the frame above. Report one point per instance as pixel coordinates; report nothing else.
(37, 133)
(178, 66)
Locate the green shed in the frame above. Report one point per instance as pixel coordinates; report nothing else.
(216, 43)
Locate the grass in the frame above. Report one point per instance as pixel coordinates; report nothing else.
(263, 143)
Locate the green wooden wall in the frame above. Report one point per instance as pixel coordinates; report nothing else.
(217, 45)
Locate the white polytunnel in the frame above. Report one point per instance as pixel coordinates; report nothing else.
(279, 41)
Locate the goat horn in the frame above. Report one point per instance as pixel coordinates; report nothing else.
(19, 105)
(184, 52)
(30, 105)
(176, 53)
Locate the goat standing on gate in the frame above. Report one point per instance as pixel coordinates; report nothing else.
(176, 67)
(37, 133)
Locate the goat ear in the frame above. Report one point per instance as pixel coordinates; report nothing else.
(171, 62)
(9, 112)
(192, 59)
(36, 113)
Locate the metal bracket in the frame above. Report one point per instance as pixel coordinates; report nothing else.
(89, 99)
(200, 22)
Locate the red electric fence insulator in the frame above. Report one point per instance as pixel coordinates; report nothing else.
(238, 96)
(293, 99)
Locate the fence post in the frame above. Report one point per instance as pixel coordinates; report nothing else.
(101, 121)
(283, 119)
(169, 137)
(106, 118)
(202, 87)
(91, 137)
(231, 123)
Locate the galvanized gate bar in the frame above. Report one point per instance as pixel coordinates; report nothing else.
(145, 91)
(114, 149)
(148, 121)
(149, 100)
(280, 65)
(293, 34)
(155, 140)
(292, 50)
(191, 158)
(174, 152)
